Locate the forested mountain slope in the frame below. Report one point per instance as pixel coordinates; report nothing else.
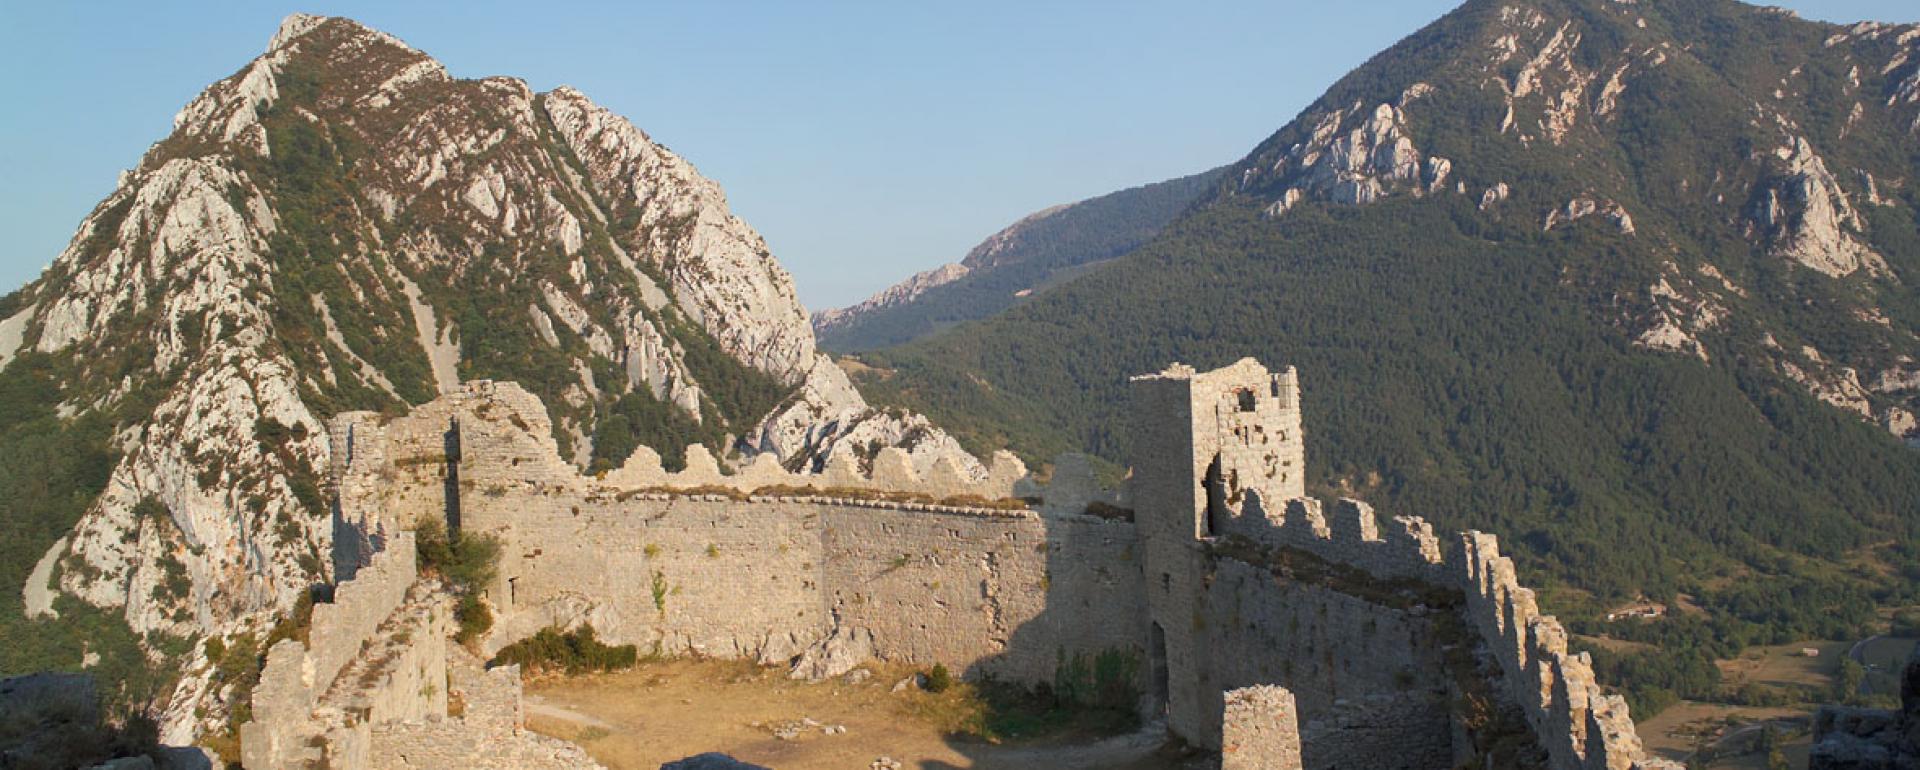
(1628, 283)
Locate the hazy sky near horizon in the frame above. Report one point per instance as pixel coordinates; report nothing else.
(865, 141)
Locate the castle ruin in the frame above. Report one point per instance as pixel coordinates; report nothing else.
(1283, 632)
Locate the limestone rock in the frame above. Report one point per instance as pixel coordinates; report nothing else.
(901, 293)
(827, 418)
(1354, 156)
(839, 653)
(1805, 215)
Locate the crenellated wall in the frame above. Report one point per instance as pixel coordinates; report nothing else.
(695, 563)
(1223, 576)
(1349, 622)
(302, 696)
(1578, 722)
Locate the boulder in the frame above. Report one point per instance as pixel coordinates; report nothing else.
(839, 653)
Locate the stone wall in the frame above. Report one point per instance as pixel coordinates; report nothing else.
(1262, 730)
(1323, 645)
(982, 590)
(1578, 722)
(692, 563)
(1193, 431)
(1384, 731)
(302, 694)
(675, 574)
(987, 592)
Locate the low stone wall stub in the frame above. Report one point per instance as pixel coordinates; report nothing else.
(1262, 730)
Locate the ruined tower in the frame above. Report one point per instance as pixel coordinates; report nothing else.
(1209, 449)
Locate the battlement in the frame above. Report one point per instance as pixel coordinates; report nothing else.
(926, 565)
(1351, 536)
(892, 471)
(1578, 723)
(495, 437)
(303, 712)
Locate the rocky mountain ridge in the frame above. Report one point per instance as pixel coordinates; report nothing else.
(342, 224)
(1010, 266)
(1575, 83)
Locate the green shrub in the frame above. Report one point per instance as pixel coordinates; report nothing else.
(468, 562)
(1107, 679)
(939, 679)
(574, 652)
(474, 618)
(1906, 623)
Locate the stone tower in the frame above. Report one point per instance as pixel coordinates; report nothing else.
(1206, 445)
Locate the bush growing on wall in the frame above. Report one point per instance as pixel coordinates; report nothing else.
(468, 562)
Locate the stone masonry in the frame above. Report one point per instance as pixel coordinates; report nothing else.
(1262, 730)
(1283, 631)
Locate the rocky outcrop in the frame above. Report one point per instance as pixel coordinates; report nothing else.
(839, 653)
(734, 289)
(827, 418)
(1802, 212)
(893, 296)
(1355, 155)
(342, 225)
(1582, 207)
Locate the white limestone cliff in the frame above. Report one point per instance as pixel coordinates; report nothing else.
(1802, 210)
(178, 307)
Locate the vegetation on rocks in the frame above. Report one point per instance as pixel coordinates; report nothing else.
(50, 470)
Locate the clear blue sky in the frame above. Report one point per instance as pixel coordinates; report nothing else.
(864, 140)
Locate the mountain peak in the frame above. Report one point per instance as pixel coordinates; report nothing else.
(342, 225)
(295, 25)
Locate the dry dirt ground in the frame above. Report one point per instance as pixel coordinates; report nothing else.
(659, 712)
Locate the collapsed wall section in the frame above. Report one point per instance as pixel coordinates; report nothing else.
(1262, 730)
(489, 734)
